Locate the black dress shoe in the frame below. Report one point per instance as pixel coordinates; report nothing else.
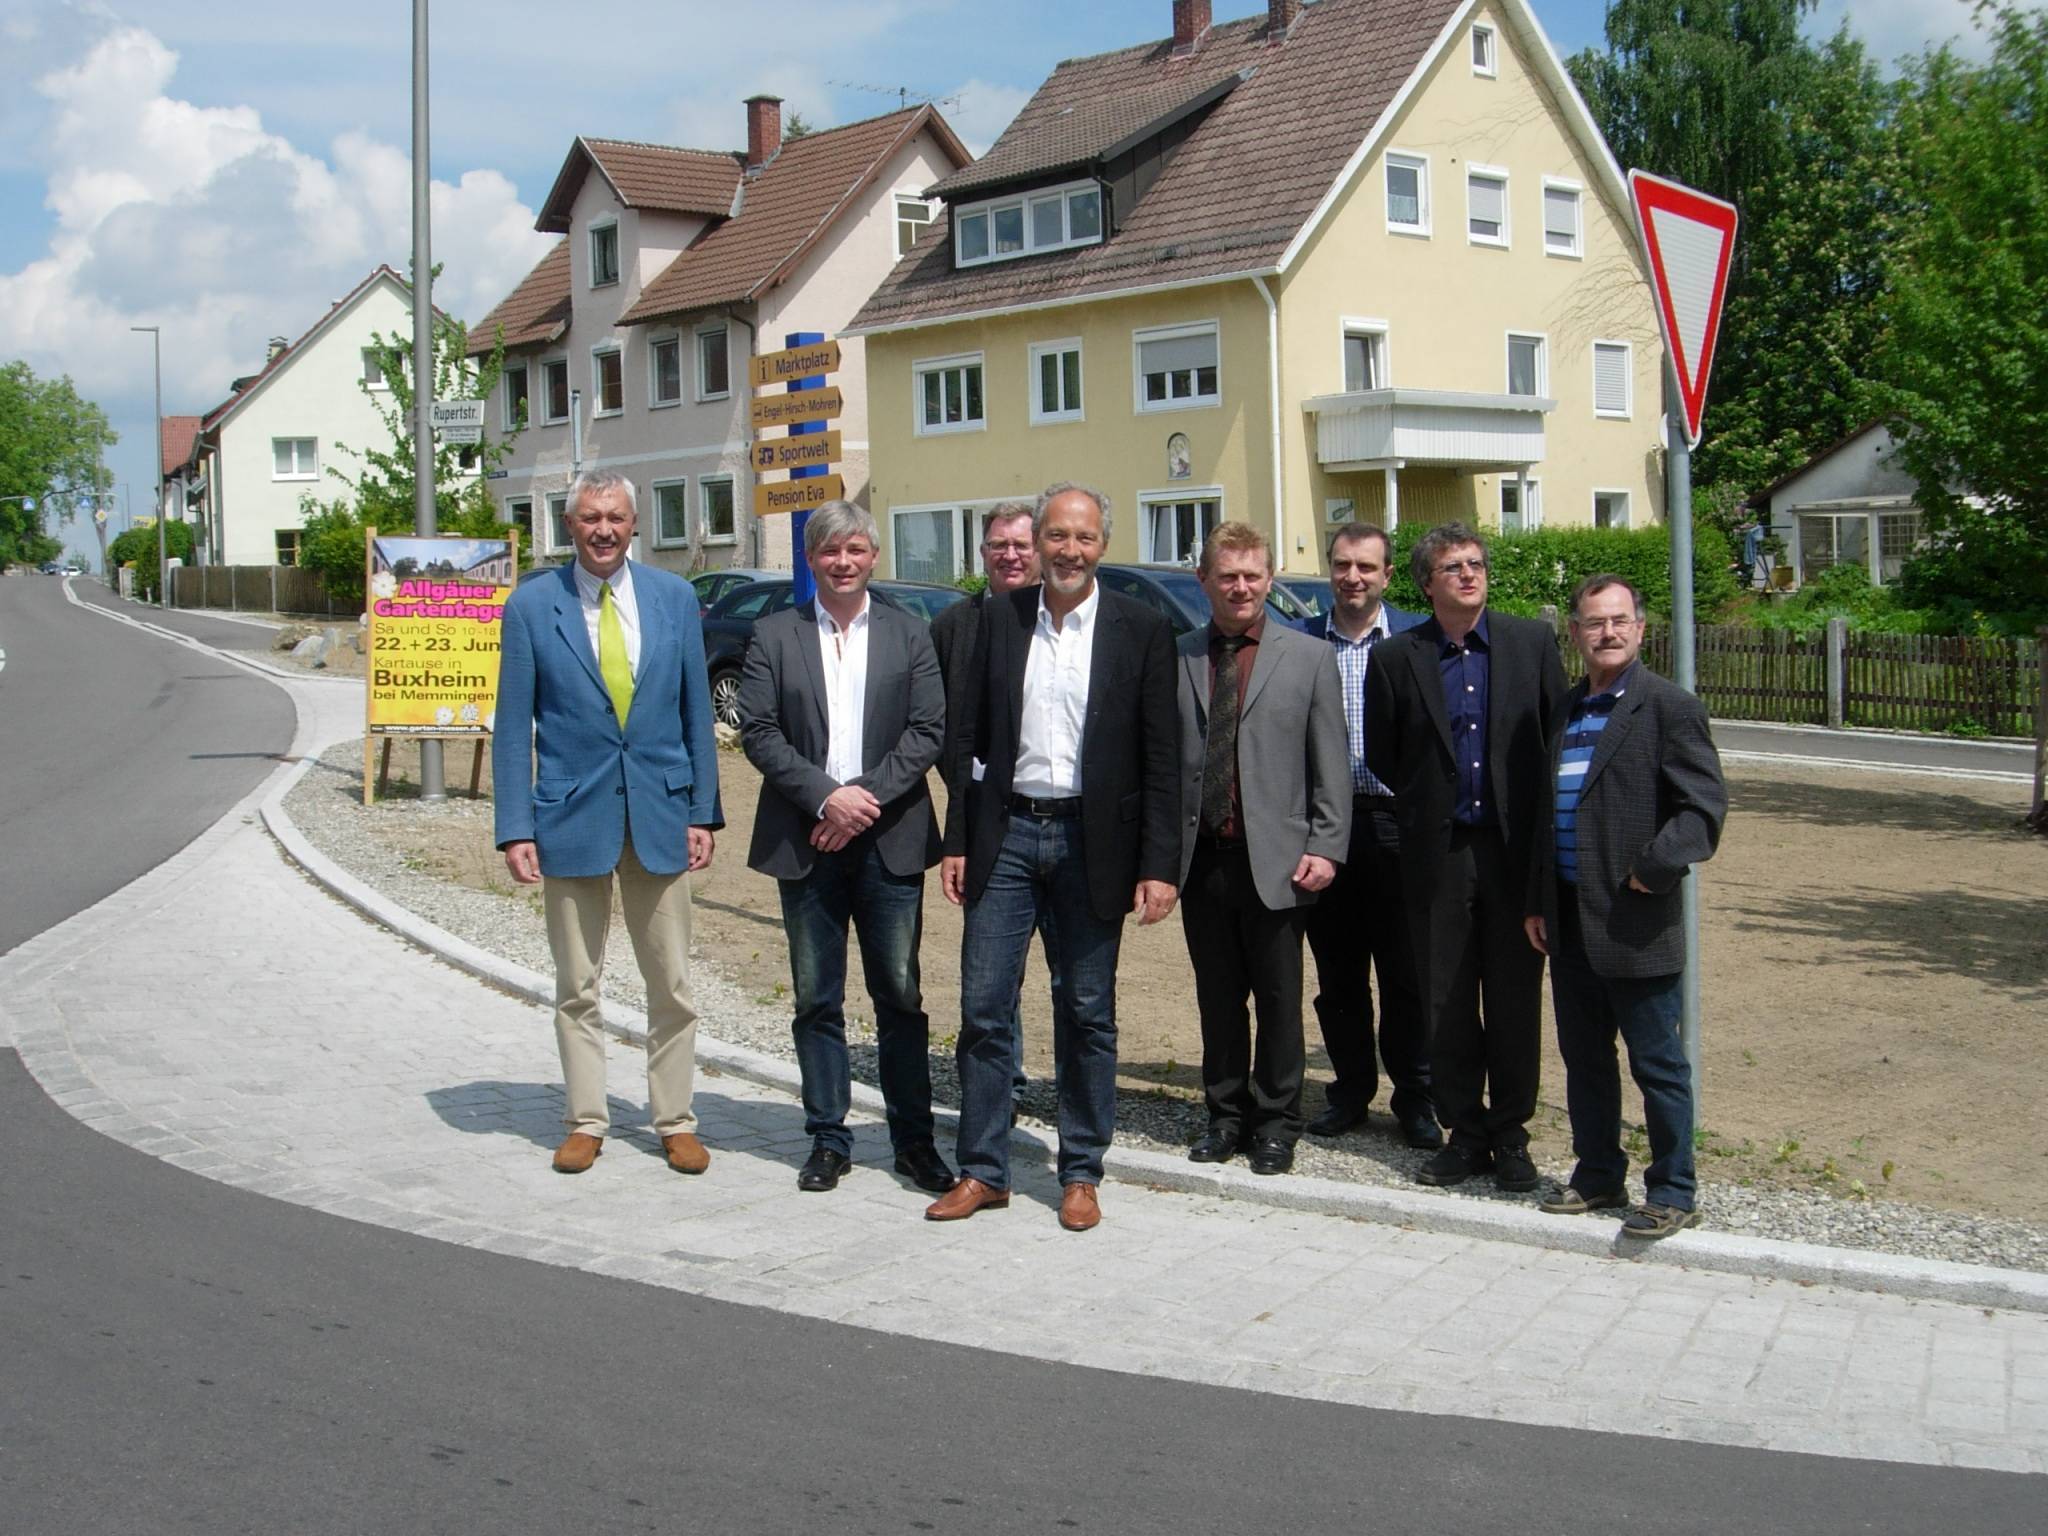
(1270, 1155)
(923, 1166)
(1422, 1133)
(1453, 1165)
(1338, 1119)
(1513, 1171)
(821, 1170)
(1214, 1147)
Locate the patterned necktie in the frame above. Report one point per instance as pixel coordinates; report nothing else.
(612, 665)
(1219, 767)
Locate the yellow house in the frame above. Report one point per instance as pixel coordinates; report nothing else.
(1355, 258)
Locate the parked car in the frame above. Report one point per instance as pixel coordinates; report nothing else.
(1176, 591)
(1312, 592)
(712, 585)
(729, 626)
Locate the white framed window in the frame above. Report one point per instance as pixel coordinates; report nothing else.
(1513, 515)
(1173, 525)
(1407, 193)
(1055, 383)
(1528, 363)
(1050, 219)
(519, 513)
(608, 380)
(715, 521)
(1610, 508)
(714, 364)
(671, 513)
(604, 254)
(1614, 372)
(946, 395)
(913, 214)
(1562, 231)
(1178, 367)
(1485, 55)
(1365, 354)
(665, 371)
(1486, 205)
(517, 399)
(554, 386)
(373, 368)
(927, 543)
(558, 522)
(295, 458)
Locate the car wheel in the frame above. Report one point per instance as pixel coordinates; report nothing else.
(725, 698)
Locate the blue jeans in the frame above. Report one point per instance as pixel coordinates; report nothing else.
(1644, 1011)
(887, 912)
(1039, 882)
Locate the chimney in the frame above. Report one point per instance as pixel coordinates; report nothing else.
(764, 129)
(1280, 16)
(1190, 24)
(277, 345)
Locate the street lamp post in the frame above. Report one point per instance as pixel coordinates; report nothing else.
(432, 784)
(163, 564)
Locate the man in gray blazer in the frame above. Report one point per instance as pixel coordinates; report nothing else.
(1265, 821)
(1635, 800)
(843, 711)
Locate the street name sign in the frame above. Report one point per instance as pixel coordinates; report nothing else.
(1689, 239)
(793, 363)
(818, 448)
(774, 496)
(803, 405)
(443, 414)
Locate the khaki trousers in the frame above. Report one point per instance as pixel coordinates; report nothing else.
(657, 908)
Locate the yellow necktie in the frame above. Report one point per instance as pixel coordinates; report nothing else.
(612, 665)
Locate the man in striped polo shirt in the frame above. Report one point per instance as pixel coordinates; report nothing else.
(1636, 800)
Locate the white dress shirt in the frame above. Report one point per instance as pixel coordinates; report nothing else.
(591, 590)
(1056, 701)
(846, 689)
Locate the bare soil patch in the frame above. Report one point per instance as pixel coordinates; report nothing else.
(1875, 981)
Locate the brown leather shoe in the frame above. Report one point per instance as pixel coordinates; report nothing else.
(1079, 1209)
(578, 1152)
(964, 1199)
(686, 1154)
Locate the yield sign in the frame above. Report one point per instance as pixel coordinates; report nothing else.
(1689, 238)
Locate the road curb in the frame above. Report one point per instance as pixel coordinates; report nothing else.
(1730, 1253)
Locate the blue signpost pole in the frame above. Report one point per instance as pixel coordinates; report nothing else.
(806, 587)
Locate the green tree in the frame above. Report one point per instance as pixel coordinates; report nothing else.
(51, 442)
(1967, 363)
(794, 126)
(137, 546)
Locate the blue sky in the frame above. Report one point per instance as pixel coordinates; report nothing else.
(225, 170)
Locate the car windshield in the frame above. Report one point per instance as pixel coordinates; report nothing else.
(1311, 592)
(1184, 590)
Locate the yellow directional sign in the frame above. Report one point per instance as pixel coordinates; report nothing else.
(787, 410)
(815, 448)
(796, 363)
(773, 496)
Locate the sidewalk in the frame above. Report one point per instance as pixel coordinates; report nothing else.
(328, 1062)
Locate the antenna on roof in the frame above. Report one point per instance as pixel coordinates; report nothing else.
(904, 94)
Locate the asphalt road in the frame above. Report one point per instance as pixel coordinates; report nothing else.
(178, 1354)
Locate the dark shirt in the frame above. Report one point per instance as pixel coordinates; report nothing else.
(1232, 830)
(1464, 672)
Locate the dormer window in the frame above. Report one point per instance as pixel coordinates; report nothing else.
(604, 254)
(1030, 224)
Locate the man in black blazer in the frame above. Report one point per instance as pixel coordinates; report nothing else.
(1065, 809)
(842, 710)
(1458, 714)
(1634, 800)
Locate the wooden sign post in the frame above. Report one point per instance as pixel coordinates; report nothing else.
(807, 450)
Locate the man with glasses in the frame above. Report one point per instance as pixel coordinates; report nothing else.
(1458, 714)
(1636, 799)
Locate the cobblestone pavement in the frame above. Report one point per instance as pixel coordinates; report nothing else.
(284, 1045)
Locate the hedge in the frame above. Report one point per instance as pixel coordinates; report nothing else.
(1530, 570)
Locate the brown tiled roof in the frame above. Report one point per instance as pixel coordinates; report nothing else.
(536, 311)
(1083, 133)
(180, 432)
(1235, 193)
(784, 210)
(654, 176)
(245, 387)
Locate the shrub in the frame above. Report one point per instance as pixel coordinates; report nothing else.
(1538, 568)
(137, 546)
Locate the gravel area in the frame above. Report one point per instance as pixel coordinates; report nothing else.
(327, 807)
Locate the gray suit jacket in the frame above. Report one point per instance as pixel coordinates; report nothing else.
(786, 734)
(1651, 806)
(1293, 758)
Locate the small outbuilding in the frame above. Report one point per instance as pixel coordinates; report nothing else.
(1852, 503)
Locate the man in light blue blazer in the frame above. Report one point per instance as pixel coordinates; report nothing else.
(602, 676)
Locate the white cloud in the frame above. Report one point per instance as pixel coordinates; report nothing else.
(200, 220)
(1892, 28)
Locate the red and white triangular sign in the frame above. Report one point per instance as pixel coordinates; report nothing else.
(1689, 237)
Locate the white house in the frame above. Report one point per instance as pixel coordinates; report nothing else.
(1852, 503)
(627, 346)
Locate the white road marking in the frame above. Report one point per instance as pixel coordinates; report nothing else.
(1989, 775)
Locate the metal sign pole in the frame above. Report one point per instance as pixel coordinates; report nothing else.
(1684, 672)
(432, 784)
(806, 584)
